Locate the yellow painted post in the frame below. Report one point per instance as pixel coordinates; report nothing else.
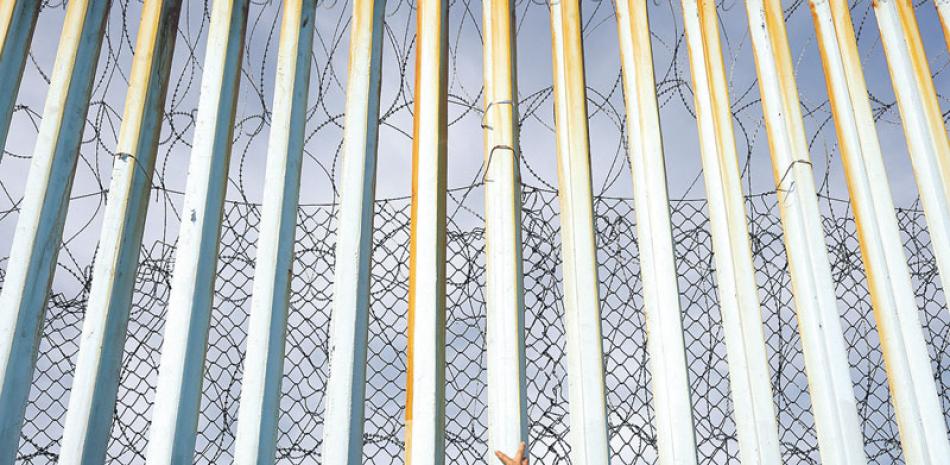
(346, 388)
(425, 377)
(39, 231)
(585, 368)
(905, 354)
(89, 418)
(826, 360)
(943, 9)
(735, 275)
(919, 414)
(675, 436)
(924, 130)
(504, 282)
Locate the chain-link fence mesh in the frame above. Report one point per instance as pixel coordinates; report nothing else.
(632, 438)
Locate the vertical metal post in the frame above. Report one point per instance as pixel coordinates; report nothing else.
(585, 359)
(826, 360)
(425, 378)
(255, 442)
(96, 380)
(39, 229)
(919, 415)
(943, 10)
(892, 295)
(17, 22)
(346, 388)
(735, 275)
(676, 440)
(923, 123)
(504, 282)
(180, 376)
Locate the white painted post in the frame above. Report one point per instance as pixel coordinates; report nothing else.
(255, 442)
(943, 10)
(924, 130)
(585, 356)
(181, 372)
(920, 417)
(17, 22)
(675, 436)
(346, 388)
(906, 359)
(735, 275)
(425, 378)
(504, 279)
(39, 230)
(89, 417)
(826, 359)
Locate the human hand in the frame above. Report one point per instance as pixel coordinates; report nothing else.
(519, 458)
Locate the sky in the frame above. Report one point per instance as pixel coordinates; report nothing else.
(610, 171)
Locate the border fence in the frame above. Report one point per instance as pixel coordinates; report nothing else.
(181, 103)
(632, 438)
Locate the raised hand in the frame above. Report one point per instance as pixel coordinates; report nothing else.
(519, 458)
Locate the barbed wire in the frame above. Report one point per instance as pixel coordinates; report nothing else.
(632, 438)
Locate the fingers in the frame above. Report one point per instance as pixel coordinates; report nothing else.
(519, 457)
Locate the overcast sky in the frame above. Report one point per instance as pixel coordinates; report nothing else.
(610, 170)
(611, 174)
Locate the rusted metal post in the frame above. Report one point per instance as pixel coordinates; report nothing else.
(889, 282)
(346, 388)
(943, 9)
(585, 360)
(255, 442)
(919, 414)
(735, 275)
(504, 281)
(826, 360)
(181, 372)
(89, 417)
(39, 230)
(924, 130)
(17, 23)
(676, 440)
(425, 378)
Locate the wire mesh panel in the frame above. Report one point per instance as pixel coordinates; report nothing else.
(632, 438)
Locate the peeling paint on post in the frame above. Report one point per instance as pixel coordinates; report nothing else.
(892, 296)
(181, 371)
(826, 360)
(255, 441)
(585, 359)
(921, 116)
(675, 435)
(39, 229)
(346, 388)
(92, 401)
(504, 280)
(919, 414)
(425, 377)
(735, 275)
(943, 9)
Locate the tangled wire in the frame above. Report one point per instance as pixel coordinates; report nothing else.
(632, 437)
